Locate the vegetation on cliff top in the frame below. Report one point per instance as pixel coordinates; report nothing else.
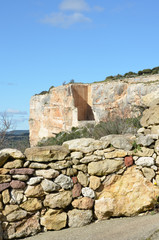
(118, 126)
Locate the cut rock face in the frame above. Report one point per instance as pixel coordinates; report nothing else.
(128, 196)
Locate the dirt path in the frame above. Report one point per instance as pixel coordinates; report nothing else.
(135, 228)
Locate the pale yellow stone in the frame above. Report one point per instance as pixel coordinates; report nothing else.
(115, 154)
(6, 196)
(5, 178)
(144, 152)
(34, 191)
(32, 204)
(81, 167)
(14, 164)
(82, 179)
(95, 182)
(9, 208)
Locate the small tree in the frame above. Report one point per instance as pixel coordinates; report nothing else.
(6, 124)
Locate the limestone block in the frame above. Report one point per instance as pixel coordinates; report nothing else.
(104, 167)
(20, 177)
(155, 130)
(14, 153)
(54, 219)
(16, 215)
(14, 164)
(82, 179)
(34, 180)
(81, 167)
(58, 200)
(71, 172)
(88, 192)
(129, 195)
(48, 173)
(91, 158)
(145, 161)
(46, 154)
(34, 191)
(144, 140)
(116, 154)
(17, 196)
(144, 152)
(79, 218)
(64, 181)
(6, 196)
(150, 116)
(36, 165)
(76, 155)
(157, 147)
(3, 157)
(95, 182)
(9, 209)
(49, 186)
(32, 204)
(5, 178)
(60, 164)
(148, 173)
(83, 203)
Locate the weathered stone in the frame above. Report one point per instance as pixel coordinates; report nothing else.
(17, 196)
(14, 164)
(46, 154)
(141, 130)
(157, 161)
(16, 184)
(26, 164)
(58, 200)
(76, 155)
(115, 154)
(85, 145)
(60, 165)
(71, 172)
(5, 178)
(144, 152)
(79, 218)
(6, 196)
(24, 228)
(81, 167)
(49, 186)
(88, 192)
(16, 215)
(54, 219)
(129, 195)
(121, 142)
(91, 158)
(101, 152)
(20, 177)
(154, 167)
(76, 191)
(82, 179)
(157, 180)
(32, 204)
(83, 203)
(144, 140)
(34, 191)
(34, 180)
(104, 167)
(9, 209)
(1, 204)
(14, 153)
(3, 171)
(155, 129)
(95, 182)
(3, 157)
(37, 165)
(4, 186)
(64, 181)
(128, 161)
(49, 173)
(145, 161)
(150, 116)
(148, 173)
(22, 171)
(157, 147)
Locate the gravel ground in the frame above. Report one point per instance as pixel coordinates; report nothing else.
(134, 228)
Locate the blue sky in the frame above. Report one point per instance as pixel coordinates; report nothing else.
(48, 42)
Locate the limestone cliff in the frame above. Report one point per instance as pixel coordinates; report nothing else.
(71, 105)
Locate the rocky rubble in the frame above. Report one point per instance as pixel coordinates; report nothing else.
(50, 188)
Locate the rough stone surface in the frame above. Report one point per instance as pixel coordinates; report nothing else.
(145, 161)
(22, 171)
(46, 154)
(14, 153)
(144, 140)
(14, 164)
(122, 143)
(144, 152)
(116, 154)
(128, 161)
(82, 179)
(150, 116)
(5, 178)
(32, 204)
(76, 155)
(17, 184)
(6, 196)
(4, 186)
(128, 196)
(16, 215)
(49, 173)
(34, 180)
(76, 191)
(88, 192)
(92, 158)
(60, 165)
(95, 182)
(58, 200)
(20, 177)
(54, 219)
(81, 167)
(34, 191)
(148, 173)
(3, 157)
(36, 165)
(104, 167)
(64, 181)
(157, 147)
(79, 218)
(83, 203)
(9, 208)
(49, 186)
(17, 196)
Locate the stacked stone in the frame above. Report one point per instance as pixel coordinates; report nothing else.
(50, 188)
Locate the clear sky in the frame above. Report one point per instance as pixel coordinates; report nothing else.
(48, 42)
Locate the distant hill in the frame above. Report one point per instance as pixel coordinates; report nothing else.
(19, 132)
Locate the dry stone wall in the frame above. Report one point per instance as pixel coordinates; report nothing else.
(50, 188)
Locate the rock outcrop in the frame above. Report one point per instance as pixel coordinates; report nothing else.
(72, 105)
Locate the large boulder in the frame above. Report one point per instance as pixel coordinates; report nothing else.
(150, 116)
(129, 195)
(46, 154)
(14, 153)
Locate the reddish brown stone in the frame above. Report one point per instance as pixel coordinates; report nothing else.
(128, 161)
(17, 184)
(76, 191)
(75, 180)
(22, 171)
(4, 186)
